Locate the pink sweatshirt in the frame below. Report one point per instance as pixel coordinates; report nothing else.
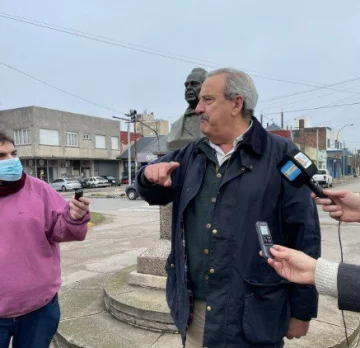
(32, 223)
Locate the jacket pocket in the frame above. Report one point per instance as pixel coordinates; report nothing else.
(266, 311)
(171, 285)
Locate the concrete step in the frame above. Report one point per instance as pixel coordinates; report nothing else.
(152, 261)
(85, 323)
(135, 305)
(147, 280)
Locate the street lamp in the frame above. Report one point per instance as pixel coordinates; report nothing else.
(336, 144)
(134, 119)
(129, 149)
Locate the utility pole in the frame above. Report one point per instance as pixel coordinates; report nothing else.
(342, 155)
(129, 153)
(132, 115)
(134, 119)
(129, 145)
(354, 171)
(282, 119)
(135, 153)
(317, 147)
(152, 129)
(261, 118)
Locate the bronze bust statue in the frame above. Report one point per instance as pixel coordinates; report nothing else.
(187, 128)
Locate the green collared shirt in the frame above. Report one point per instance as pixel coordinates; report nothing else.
(198, 223)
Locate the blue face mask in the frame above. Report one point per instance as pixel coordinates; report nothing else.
(10, 169)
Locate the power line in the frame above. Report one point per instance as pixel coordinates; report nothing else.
(270, 119)
(317, 108)
(98, 39)
(321, 95)
(69, 30)
(114, 42)
(106, 41)
(315, 89)
(60, 89)
(32, 21)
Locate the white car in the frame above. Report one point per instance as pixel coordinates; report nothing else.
(97, 181)
(323, 178)
(65, 184)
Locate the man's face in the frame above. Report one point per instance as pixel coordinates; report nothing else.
(216, 113)
(192, 90)
(7, 151)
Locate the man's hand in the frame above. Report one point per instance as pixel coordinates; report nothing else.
(293, 265)
(297, 328)
(78, 209)
(160, 173)
(346, 207)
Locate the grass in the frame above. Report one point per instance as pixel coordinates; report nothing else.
(96, 218)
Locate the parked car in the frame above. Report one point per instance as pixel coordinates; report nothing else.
(111, 180)
(78, 178)
(125, 178)
(323, 178)
(96, 181)
(65, 184)
(86, 183)
(124, 181)
(131, 192)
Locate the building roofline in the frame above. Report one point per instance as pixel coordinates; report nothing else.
(68, 112)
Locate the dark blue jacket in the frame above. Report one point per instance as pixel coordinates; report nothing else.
(250, 305)
(348, 283)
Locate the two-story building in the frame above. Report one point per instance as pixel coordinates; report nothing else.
(324, 145)
(54, 144)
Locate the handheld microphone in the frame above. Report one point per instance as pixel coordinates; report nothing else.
(298, 169)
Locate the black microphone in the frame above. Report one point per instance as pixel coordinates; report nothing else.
(298, 169)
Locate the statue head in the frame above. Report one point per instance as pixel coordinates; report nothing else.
(193, 85)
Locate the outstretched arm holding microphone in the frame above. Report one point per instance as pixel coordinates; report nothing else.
(331, 278)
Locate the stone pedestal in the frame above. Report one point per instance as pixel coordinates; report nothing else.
(165, 221)
(152, 261)
(138, 297)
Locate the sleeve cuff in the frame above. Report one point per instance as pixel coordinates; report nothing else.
(86, 218)
(326, 277)
(144, 182)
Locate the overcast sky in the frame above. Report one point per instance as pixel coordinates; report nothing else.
(308, 43)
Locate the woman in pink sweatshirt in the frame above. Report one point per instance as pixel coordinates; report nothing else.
(34, 220)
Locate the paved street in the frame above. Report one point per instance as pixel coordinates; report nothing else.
(119, 204)
(131, 226)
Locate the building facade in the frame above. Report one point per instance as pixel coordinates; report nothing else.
(142, 152)
(124, 139)
(324, 146)
(275, 129)
(56, 144)
(161, 126)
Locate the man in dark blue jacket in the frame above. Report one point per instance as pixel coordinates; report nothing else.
(220, 292)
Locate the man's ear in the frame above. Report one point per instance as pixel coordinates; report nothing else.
(238, 105)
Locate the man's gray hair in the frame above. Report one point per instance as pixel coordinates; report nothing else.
(239, 83)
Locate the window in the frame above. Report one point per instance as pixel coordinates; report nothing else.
(100, 142)
(328, 143)
(57, 181)
(49, 137)
(22, 136)
(87, 137)
(114, 143)
(72, 139)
